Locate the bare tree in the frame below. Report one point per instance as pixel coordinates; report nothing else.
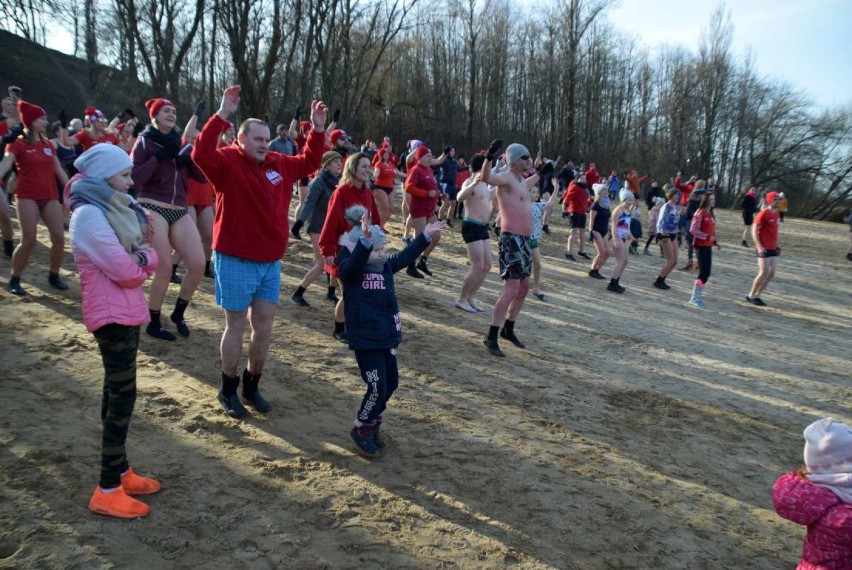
(164, 31)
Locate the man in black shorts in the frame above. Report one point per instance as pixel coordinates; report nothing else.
(476, 197)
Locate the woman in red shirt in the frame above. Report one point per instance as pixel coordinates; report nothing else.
(38, 170)
(384, 175)
(97, 131)
(703, 230)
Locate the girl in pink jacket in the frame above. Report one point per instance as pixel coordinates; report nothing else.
(110, 241)
(820, 496)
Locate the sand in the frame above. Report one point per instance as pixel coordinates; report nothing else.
(634, 432)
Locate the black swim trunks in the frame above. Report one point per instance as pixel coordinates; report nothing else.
(472, 231)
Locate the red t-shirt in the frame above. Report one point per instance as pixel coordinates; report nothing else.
(87, 142)
(461, 176)
(199, 193)
(36, 164)
(386, 174)
(767, 228)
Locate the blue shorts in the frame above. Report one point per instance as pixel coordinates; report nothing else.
(450, 190)
(682, 222)
(240, 281)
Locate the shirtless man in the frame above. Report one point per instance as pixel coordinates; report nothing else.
(476, 197)
(513, 201)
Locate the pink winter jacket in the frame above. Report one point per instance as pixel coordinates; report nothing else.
(110, 278)
(828, 542)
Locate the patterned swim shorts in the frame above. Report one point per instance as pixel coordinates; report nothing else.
(515, 256)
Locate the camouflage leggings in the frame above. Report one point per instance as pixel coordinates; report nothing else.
(118, 345)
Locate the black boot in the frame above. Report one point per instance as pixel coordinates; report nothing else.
(508, 332)
(15, 286)
(228, 397)
(331, 295)
(177, 317)
(491, 342)
(298, 297)
(175, 278)
(251, 394)
(56, 282)
(155, 328)
(411, 271)
(614, 287)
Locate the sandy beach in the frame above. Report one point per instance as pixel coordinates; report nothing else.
(634, 432)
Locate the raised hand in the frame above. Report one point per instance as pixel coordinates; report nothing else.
(199, 108)
(298, 114)
(230, 101)
(63, 119)
(434, 228)
(493, 148)
(336, 117)
(319, 114)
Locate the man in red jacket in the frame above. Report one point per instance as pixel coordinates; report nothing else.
(250, 231)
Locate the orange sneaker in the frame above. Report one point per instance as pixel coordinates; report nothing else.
(134, 484)
(117, 504)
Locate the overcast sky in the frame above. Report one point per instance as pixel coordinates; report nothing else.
(807, 43)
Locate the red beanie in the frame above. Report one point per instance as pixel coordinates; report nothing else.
(29, 112)
(154, 105)
(305, 126)
(770, 197)
(93, 114)
(335, 135)
(421, 151)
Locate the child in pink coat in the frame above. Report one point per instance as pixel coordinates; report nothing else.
(110, 241)
(820, 496)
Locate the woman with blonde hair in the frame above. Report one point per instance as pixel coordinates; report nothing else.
(354, 188)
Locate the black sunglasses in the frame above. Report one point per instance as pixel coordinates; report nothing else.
(525, 157)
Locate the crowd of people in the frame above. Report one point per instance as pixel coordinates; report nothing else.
(147, 195)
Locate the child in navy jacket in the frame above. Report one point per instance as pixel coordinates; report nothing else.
(373, 324)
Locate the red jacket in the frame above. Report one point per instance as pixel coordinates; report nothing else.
(828, 541)
(335, 225)
(592, 177)
(576, 198)
(703, 229)
(252, 199)
(685, 190)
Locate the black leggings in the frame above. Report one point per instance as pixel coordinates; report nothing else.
(118, 345)
(704, 254)
(379, 371)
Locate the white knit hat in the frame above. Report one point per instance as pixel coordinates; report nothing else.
(599, 188)
(103, 161)
(625, 194)
(828, 447)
